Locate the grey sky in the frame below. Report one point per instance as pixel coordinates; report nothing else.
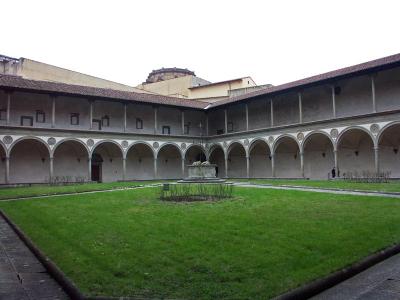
(272, 41)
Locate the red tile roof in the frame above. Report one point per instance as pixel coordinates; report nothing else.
(19, 83)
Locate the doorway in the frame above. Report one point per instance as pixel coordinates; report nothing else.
(96, 167)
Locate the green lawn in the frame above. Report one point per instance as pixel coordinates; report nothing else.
(41, 190)
(255, 246)
(393, 186)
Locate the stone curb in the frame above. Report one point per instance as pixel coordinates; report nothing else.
(315, 287)
(51, 268)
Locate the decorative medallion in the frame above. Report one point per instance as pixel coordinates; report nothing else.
(183, 146)
(300, 136)
(90, 142)
(51, 141)
(7, 139)
(124, 144)
(155, 145)
(374, 128)
(271, 139)
(246, 142)
(334, 133)
(225, 144)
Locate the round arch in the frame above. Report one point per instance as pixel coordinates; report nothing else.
(29, 160)
(59, 143)
(388, 142)
(217, 157)
(99, 143)
(237, 161)
(110, 167)
(234, 144)
(170, 144)
(140, 161)
(316, 132)
(385, 128)
(194, 153)
(284, 137)
(141, 143)
(286, 150)
(318, 151)
(355, 152)
(260, 159)
(169, 161)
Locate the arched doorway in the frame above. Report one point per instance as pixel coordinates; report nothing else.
(217, 157)
(140, 162)
(237, 165)
(389, 145)
(169, 162)
(355, 153)
(194, 153)
(107, 165)
(287, 158)
(319, 158)
(29, 162)
(260, 160)
(70, 162)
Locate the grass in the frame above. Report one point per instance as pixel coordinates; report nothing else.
(44, 190)
(256, 246)
(393, 186)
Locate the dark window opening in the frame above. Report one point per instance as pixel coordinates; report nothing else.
(230, 126)
(74, 119)
(220, 131)
(3, 114)
(40, 116)
(96, 124)
(26, 121)
(187, 128)
(139, 123)
(166, 130)
(105, 121)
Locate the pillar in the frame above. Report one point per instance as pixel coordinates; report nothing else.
(373, 93)
(125, 117)
(273, 164)
(226, 120)
(124, 168)
(53, 111)
(300, 108)
(247, 116)
(272, 113)
(91, 116)
(183, 168)
(226, 167)
(247, 166)
(207, 131)
(302, 164)
(155, 168)
(376, 152)
(7, 169)
(51, 170)
(90, 168)
(335, 159)
(8, 107)
(333, 101)
(155, 119)
(183, 122)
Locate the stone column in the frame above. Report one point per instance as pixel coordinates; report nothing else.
(8, 107)
(273, 164)
(155, 168)
(51, 170)
(124, 168)
(373, 93)
(183, 122)
(226, 167)
(91, 114)
(335, 159)
(125, 116)
(7, 169)
(247, 116)
(272, 113)
(302, 164)
(183, 168)
(226, 120)
(207, 131)
(333, 101)
(376, 152)
(247, 166)
(155, 119)
(53, 111)
(90, 168)
(300, 108)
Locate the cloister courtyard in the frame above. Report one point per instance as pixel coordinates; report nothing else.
(120, 239)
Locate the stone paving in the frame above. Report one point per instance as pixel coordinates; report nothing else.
(381, 281)
(22, 276)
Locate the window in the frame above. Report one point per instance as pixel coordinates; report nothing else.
(166, 130)
(105, 121)
(40, 116)
(26, 121)
(96, 123)
(139, 123)
(220, 131)
(230, 126)
(3, 114)
(74, 119)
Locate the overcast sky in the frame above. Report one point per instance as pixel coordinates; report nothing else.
(271, 41)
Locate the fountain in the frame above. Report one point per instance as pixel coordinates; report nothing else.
(202, 172)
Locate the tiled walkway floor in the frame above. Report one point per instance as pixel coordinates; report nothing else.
(22, 276)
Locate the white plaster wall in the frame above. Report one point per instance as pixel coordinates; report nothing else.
(237, 115)
(169, 163)
(217, 158)
(260, 163)
(139, 163)
(170, 117)
(26, 104)
(355, 97)
(259, 114)
(26, 164)
(316, 166)
(387, 90)
(111, 167)
(114, 110)
(286, 110)
(67, 105)
(317, 104)
(71, 159)
(144, 112)
(237, 163)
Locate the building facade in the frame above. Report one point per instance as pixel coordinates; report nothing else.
(348, 119)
